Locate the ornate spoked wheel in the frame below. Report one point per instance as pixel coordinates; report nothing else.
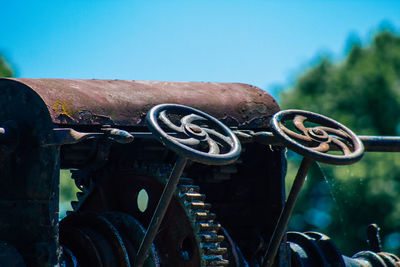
(193, 134)
(317, 140)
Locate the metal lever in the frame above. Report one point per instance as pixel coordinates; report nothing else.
(373, 238)
(160, 211)
(286, 212)
(314, 144)
(117, 135)
(68, 136)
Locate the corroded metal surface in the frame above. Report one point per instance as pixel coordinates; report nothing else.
(28, 176)
(125, 103)
(96, 128)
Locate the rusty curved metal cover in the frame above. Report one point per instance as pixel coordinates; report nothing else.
(125, 103)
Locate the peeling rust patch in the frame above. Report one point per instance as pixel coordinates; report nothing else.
(126, 103)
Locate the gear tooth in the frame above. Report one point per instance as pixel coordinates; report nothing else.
(210, 249)
(206, 228)
(215, 261)
(73, 173)
(211, 237)
(193, 196)
(189, 188)
(204, 216)
(74, 205)
(80, 195)
(209, 227)
(198, 205)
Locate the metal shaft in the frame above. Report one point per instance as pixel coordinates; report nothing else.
(283, 221)
(381, 143)
(371, 143)
(159, 213)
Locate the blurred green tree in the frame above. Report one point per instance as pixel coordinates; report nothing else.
(5, 69)
(363, 93)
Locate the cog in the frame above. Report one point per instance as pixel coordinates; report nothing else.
(188, 235)
(205, 227)
(84, 184)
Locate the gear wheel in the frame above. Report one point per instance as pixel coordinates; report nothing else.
(188, 235)
(205, 227)
(84, 184)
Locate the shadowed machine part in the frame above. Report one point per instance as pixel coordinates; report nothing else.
(163, 184)
(316, 249)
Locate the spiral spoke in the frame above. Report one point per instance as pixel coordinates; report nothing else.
(218, 135)
(190, 118)
(343, 147)
(189, 141)
(214, 148)
(294, 134)
(322, 147)
(337, 132)
(298, 122)
(163, 117)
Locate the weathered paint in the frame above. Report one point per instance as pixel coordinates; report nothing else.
(125, 103)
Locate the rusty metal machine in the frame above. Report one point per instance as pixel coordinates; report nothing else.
(198, 181)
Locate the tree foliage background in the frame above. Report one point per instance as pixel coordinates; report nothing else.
(5, 69)
(363, 93)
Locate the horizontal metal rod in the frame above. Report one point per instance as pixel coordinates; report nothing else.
(381, 143)
(66, 136)
(371, 143)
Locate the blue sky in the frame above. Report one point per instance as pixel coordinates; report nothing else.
(264, 43)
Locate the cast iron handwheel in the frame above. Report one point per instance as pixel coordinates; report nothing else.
(209, 141)
(314, 142)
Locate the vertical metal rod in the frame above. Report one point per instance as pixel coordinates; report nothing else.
(283, 221)
(374, 240)
(159, 213)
